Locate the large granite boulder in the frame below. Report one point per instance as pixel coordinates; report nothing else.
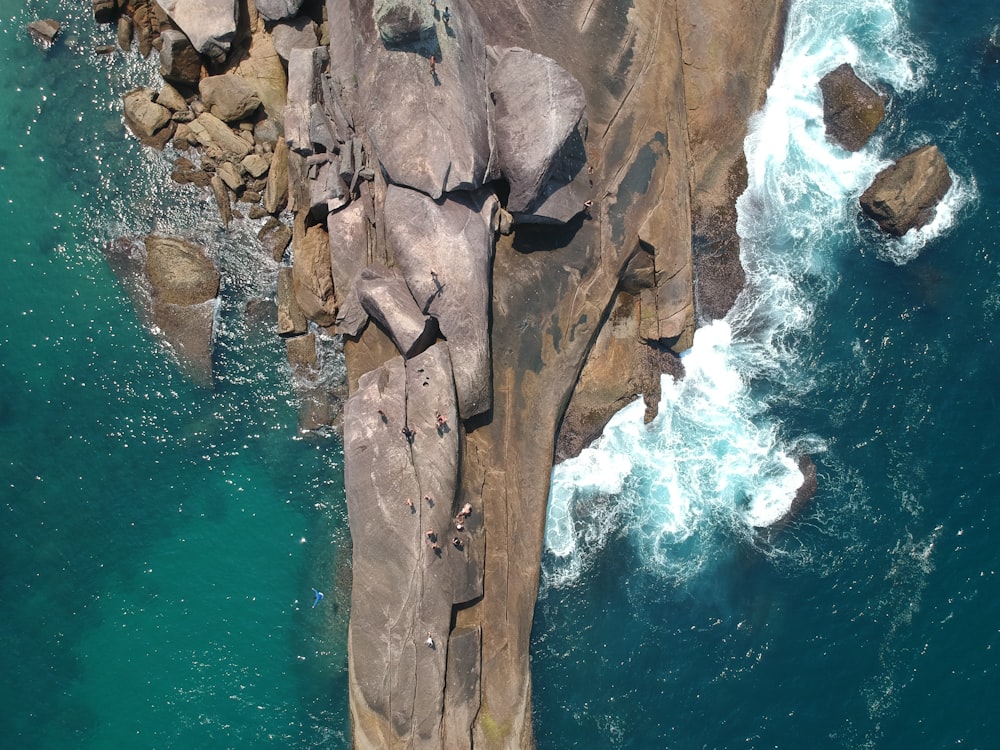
(299, 33)
(312, 276)
(149, 122)
(179, 60)
(402, 21)
(229, 97)
(385, 297)
(444, 251)
(211, 131)
(184, 285)
(539, 106)
(209, 24)
(436, 136)
(905, 195)
(277, 10)
(851, 108)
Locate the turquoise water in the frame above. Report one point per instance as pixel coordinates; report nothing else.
(872, 620)
(160, 541)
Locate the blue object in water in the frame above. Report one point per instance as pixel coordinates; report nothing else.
(319, 597)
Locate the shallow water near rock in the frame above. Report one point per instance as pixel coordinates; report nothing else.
(160, 541)
(870, 620)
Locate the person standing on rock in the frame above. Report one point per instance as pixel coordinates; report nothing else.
(446, 17)
(433, 66)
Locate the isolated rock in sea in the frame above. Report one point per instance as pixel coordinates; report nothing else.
(209, 24)
(435, 138)
(386, 298)
(538, 109)
(44, 32)
(402, 21)
(179, 60)
(276, 10)
(312, 276)
(184, 284)
(298, 33)
(905, 195)
(852, 109)
(149, 121)
(229, 97)
(445, 252)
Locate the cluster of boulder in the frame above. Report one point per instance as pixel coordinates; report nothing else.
(904, 195)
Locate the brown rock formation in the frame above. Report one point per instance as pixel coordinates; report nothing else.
(851, 108)
(905, 195)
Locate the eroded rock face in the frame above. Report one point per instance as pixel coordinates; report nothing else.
(436, 137)
(276, 10)
(229, 97)
(179, 60)
(852, 109)
(313, 278)
(538, 109)
(401, 21)
(211, 131)
(444, 251)
(209, 24)
(905, 195)
(149, 122)
(399, 644)
(385, 297)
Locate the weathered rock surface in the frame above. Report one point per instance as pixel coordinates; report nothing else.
(905, 195)
(276, 10)
(149, 122)
(209, 24)
(538, 108)
(299, 33)
(386, 298)
(179, 60)
(852, 109)
(435, 138)
(291, 320)
(454, 240)
(276, 192)
(104, 10)
(402, 21)
(211, 131)
(179, 271)
(229, 97)
(312, 275)
(397, 679)
(171, 98)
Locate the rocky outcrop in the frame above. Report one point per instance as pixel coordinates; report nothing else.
(209, 24)
(444, 251)
(384, 296)
(312, 276)
(852, 109)
(277, 10)
(229, 97)
(539, 106)
(150, 122)
(213, 132)
(179, 60)
(44, 32)
(174, 287)
(299, 33)
(436, 137)
(905, 195)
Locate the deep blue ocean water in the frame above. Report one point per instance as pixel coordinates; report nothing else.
(160, 540)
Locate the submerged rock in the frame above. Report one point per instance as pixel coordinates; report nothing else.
(905, 195)
(44, 32)
(852, 109)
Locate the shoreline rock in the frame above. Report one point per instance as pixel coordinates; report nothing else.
(905, 195)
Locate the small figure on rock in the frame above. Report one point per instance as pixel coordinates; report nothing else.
(440, 419)
(408, 434)
(457, 542)
(430, 640)
(429, 500)
(587, 205)
(433, 66)
(459, 525)
(430, 535)
(446, 16)
(437, 548)
(317, 597)
(466, 510)
(382, 416)
(409, 504)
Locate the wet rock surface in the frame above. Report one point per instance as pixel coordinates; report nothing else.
(905, 195)
(852, 109)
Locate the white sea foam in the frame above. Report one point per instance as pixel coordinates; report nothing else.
(716, 463)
